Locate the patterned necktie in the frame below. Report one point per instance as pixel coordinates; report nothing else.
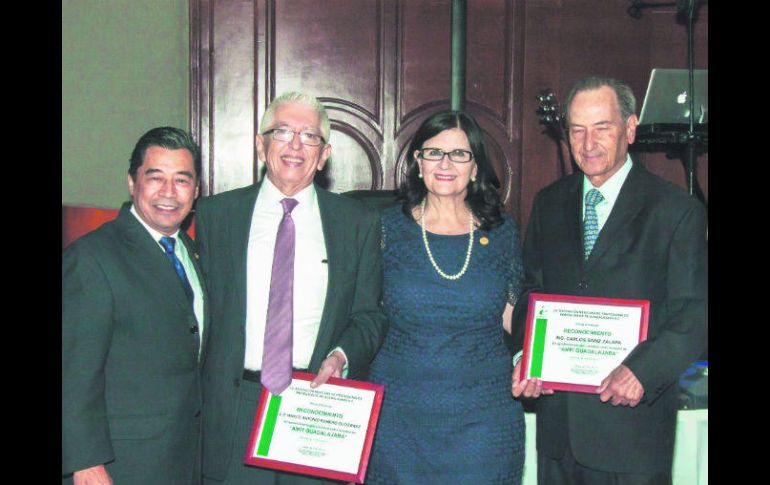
(168, 244)
(277, 352)
(591, 222)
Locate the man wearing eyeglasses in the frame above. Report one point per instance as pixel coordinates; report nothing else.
(319, 298)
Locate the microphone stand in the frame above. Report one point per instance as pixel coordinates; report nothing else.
(692, 138)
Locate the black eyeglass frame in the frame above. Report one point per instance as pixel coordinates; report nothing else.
(443, 154)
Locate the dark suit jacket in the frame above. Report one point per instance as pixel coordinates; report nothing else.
(130, 368)
(352, 318)
(652, 247)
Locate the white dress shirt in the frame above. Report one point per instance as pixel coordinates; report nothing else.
(610, 190)
(184, 257)
(310, 272)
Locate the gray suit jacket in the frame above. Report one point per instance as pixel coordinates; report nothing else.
(130, 370)
(352, 317)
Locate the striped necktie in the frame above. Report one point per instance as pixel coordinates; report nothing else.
(591, 221)
(168, 244)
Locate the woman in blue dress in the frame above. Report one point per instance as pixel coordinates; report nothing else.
(452, 273)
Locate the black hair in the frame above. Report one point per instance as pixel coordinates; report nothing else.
(166, 137)
(482, 196)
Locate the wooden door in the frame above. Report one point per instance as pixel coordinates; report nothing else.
(379, 66)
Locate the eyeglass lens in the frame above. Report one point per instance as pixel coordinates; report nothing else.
(306, 138)
(437, 154)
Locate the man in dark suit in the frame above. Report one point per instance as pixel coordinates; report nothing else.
(651, 245)
(132, 327)
(335, 319)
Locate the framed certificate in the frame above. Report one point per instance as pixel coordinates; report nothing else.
(325, 432)
(572, 343)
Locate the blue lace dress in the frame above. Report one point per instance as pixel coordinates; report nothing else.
(447, 416)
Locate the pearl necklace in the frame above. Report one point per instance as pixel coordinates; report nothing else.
(430, 255)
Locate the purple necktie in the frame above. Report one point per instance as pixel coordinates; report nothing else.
(277, 352)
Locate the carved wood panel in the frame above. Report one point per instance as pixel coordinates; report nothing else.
(379, 66)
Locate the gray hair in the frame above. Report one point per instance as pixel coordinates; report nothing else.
(625, 95)
(297, 97)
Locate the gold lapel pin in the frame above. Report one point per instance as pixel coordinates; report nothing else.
(484, 240)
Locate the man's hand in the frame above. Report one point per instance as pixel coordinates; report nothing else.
(331, 367)
(622, 387)
(530, 388)
(96, 475)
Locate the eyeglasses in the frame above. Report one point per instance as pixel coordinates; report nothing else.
(437, 154)
(305, 137)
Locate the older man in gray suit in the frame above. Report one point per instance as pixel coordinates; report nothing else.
(335, 324)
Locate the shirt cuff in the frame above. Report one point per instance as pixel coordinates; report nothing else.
(344, 367)
(517, 357)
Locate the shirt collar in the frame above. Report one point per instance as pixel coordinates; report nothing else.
(611, 188)
(270, 196)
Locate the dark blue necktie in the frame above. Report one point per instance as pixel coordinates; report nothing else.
(168, 244)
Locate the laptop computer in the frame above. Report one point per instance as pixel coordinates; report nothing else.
(668, 98)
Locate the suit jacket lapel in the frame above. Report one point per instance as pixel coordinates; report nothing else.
(238, 234)
(627, 206)
(574, 206)
(334, 236)
(192, 251)
(149, 253)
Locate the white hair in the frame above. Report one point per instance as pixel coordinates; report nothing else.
(297, 97)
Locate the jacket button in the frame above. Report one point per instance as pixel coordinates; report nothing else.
(198, 413)
(236, 383)
(194, 329)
